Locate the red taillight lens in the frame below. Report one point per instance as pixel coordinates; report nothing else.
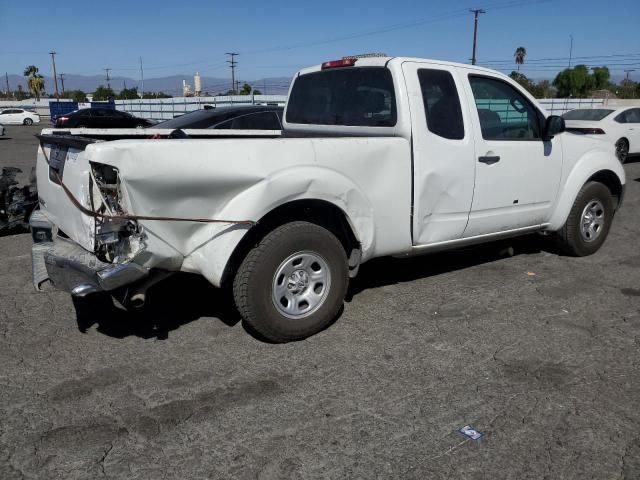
(62, 119)
(587, 131)
(346, 62)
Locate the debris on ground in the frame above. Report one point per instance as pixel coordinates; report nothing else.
(470, 432)
(16, 201)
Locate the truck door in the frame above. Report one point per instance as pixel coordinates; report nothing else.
(443, 152)
(517, 173)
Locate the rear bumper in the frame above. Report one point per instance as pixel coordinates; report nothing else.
(71, 268)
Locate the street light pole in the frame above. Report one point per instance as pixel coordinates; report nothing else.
(62, 82)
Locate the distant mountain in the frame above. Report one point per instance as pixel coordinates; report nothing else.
(171, 84)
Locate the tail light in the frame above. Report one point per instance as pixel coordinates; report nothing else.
(61, 120)
(345, 62)
(586, 131)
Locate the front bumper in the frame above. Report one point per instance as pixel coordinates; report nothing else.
(71, 268)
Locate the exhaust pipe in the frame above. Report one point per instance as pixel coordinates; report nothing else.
(138, 295)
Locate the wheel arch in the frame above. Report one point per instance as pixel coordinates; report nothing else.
(594, 166)
(317, 211)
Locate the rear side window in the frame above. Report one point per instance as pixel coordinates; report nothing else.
(358, 97)
(441, 104)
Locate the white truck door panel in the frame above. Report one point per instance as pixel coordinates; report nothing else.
(443, 152)
(517, 173)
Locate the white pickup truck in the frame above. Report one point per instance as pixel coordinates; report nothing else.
(378, 156)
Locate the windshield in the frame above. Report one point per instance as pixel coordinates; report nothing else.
(593, 114)
(362, 97)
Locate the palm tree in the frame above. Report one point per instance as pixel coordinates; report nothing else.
(35, 81)
(521, 52)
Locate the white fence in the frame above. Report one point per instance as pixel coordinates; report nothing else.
(558, 106)
(167, 108)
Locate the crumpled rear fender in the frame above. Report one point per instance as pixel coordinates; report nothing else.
(211, 248)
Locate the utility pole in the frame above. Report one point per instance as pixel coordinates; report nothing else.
(55, 76)
(108, 70)
(232, 63)
(570, 50)
(62, 82)
(6, 77)
(476, 12)
(141, 80)
(627, 85)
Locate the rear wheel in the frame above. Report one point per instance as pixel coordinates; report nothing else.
(292, 284)
(27, 121)
(622, 149)
(589, 221)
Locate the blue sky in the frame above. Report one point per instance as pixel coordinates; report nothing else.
(277, 37)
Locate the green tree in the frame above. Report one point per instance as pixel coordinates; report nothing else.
(257, 92)
(75, 95)
(128, 94)
(20, 93)
(519, 55)
(574, 82)
(523, 81)
(156, 95)
(544, 89)
(35, 81)
(245, 90)
(600, 78)
(103, 93)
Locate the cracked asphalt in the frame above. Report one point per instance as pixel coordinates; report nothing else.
(537, 351)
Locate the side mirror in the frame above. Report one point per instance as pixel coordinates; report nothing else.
(554, 125)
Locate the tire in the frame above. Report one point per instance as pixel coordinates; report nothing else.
(27, 121)
(295, 262)
(595, 206)
(622, 149)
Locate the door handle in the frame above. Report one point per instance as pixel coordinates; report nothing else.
(489, 159)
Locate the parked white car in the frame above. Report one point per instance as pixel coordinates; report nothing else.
(380, 156)
(619, 127)
(18, 116)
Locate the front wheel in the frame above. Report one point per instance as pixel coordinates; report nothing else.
(293, 283)
(28, 122)
(589, 221)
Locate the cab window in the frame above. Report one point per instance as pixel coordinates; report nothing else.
(441, 104)
(504, 113)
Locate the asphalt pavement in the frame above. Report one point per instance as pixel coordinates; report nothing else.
(538, 352)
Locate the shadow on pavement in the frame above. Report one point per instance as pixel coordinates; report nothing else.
(174, 302)
(388, 271)
(184, 298)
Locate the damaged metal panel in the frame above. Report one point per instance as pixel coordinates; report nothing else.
(227, 179)
(16, 201)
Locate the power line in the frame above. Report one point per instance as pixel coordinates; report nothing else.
(400, 26)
